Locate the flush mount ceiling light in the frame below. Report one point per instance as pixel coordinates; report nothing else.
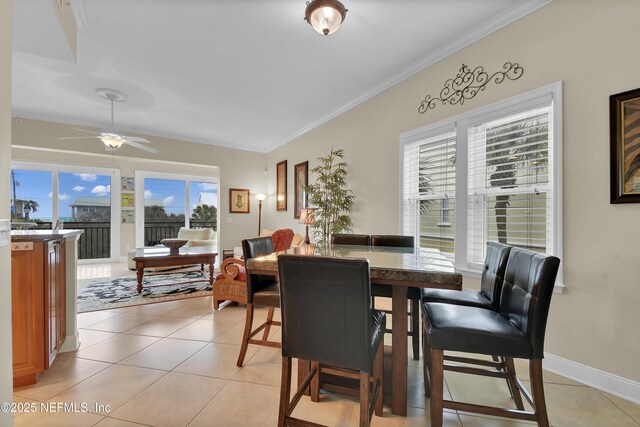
(325, 16)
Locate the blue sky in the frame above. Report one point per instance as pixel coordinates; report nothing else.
(36, 185)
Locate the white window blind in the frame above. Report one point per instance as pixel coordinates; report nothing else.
(429, 191)
(492, 174)
(509, 184)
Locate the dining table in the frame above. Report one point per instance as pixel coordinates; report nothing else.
(399, 268)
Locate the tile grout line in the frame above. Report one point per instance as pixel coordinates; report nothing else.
(620, 408)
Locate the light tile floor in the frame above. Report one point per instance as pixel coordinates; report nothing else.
(173, 364)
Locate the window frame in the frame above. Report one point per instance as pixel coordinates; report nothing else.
(461, 124)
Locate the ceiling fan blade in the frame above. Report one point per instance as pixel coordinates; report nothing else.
(136, 139)
(141, 147)
(84, 130)
(79, 137)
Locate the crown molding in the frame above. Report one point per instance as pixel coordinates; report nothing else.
(477, 33)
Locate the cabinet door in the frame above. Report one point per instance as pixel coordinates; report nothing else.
(61, 293)
(50, 297)
(27, 312)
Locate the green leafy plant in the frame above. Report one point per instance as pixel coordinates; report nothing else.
(330, 197)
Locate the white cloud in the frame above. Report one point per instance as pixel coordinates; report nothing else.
(101, 190)
(88, 177)
(50, 194)
(148, 194)
(208, 186)
(167, 200)
(79, 188)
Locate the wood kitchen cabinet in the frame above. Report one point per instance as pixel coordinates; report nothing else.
(38, 306)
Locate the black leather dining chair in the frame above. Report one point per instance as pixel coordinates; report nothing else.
(413, 294)
(495, 264)
(261, 291)
(515, 331)
(351, 239)
(327, 318)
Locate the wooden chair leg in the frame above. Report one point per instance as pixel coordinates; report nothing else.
(285, 391)
(426, 363)
(415, 328)
(378, 376)
(315, 383)
(248, 323)
(537, 390)
(364, 399)
(512, 383)
(267, 329)
(437, 383)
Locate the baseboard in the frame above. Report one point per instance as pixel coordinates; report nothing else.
(601, 380)
(71, 343)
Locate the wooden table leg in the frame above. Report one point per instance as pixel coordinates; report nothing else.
(399, 351)
(211, 261)
(139, 274)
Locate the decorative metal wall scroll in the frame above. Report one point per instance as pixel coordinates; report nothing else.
(468, 83)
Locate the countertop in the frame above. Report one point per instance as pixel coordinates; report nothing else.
(30, 235)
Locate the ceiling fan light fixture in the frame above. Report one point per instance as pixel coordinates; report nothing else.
(112, 141)
(325, 16)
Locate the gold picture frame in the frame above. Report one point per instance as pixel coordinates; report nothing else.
(281, 186)
(624, 115)
(300, 181)
(239, 200)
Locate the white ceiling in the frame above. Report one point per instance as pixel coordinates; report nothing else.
(248, 74)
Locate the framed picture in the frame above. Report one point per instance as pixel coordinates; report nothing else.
(239, 201)
(624, 113)
(301, 179)
(281, 186)
(127, 200)
(126, 183)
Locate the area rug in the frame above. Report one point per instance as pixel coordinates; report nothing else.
(113, 292)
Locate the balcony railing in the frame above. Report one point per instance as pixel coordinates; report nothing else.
(95, 241)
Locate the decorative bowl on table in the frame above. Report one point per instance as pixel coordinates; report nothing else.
(174, 245)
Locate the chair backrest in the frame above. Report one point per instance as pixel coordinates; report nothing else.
(392, 241)
(526, 294)
(251, 248)
(351, 239)
(282, 239)
(495, 264)
(325, 306)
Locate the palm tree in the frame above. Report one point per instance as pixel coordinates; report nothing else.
(28, 205)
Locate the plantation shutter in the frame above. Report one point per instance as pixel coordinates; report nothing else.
(429, 191)
(509, 182)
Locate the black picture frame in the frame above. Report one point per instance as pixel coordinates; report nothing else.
(624, 116)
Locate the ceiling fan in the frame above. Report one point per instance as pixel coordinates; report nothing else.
(111, 138)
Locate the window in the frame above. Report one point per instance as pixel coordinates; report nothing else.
(489, 175)
(170, 201)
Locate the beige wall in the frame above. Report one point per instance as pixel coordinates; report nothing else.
(6, 368)
(35, 140)
(590, 46)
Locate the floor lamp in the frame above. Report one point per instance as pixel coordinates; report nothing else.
(307, 217)
(260, 197)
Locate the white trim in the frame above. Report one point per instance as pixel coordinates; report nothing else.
(71, 343)
(601, 380)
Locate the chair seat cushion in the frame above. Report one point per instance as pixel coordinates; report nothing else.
(269, 296)
(468, 297)
(378, 290)
(473, 330)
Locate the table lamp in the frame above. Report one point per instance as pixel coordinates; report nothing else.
(307, 217)
(260, 197)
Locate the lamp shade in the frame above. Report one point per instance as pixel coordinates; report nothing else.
(261, 196)
(307, 216)
(325, 16)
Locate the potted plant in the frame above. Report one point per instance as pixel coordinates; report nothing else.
(330, 197)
